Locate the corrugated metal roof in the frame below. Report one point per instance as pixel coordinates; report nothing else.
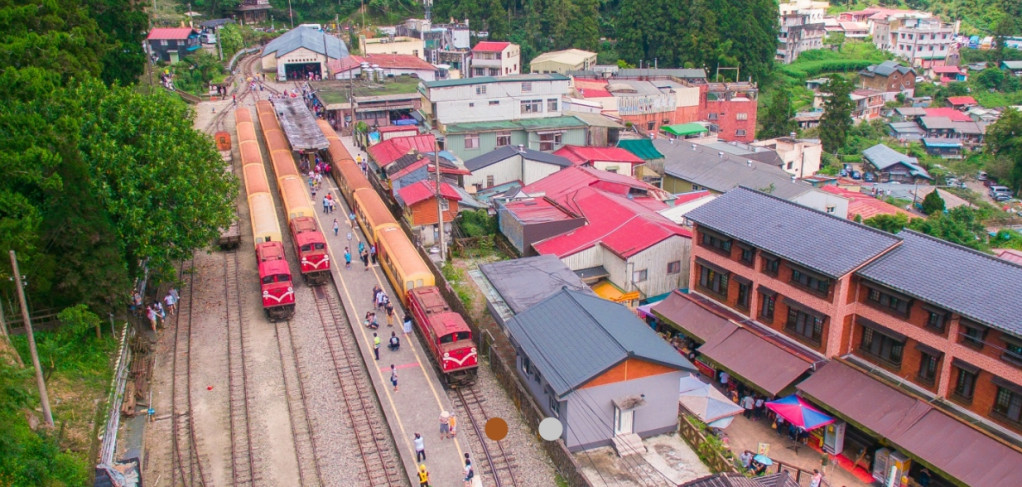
(954, 115)
(594, 119)
(574, 178)
(424, 190)
(755, 360)
(481, 80)
(582, 155)
(817, 240)
(719, 171)
(390, 150)
(962, 100)
(864, 205)
(989, 292)
(490, 46)
(529, 124)
(602, 334)
(299, 124)
(537, 210)
(524, 282)
(310, 38)
(503, 153)
(170, 33)
(936, 142)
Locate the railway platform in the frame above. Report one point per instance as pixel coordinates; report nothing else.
(416, 405)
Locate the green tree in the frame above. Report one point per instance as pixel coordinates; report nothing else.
(960, 226)
(497, 21)
(231, 40)
(1004, 141)
(837, 113)
(933, 203)
(778, 118)
(990, 78)
(584, 26)
(888, 223)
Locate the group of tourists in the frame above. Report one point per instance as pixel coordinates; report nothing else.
(156, 312)
(447, 430)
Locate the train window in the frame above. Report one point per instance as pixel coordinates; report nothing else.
(462, 335)
(267, 279)
(447, 338)
(319, 246)
(306, 248)
(409, 286)
(283, 277)
(418, 283)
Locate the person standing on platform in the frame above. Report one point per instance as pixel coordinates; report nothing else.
(817, 479)
(420, 448)
(469, 473)
(365, 259)
(445, 425)
(452, 426)
(758, 412)
(423, 476)
(337, 227)
(347, 258)
(748, 403)
(376, 294)
(361, 246)
(372, 253)
(393, 380)
(407, 325)
(390, 313)
(376, 346)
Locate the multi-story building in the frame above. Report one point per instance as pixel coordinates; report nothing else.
(489, 98)
(731, 110)
(925, 43)
(882, 24)
(889, 76)
(801, 156)
(815, 10)
(798, 33)
(491, 58)
(444, 45)
(868, 104)
(412, 46)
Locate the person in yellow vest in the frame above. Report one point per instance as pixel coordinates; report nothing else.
(451, 422)
(423, 476)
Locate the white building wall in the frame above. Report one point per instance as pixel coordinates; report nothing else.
(686, 97)
(655, 260)
(496, 101)
(534, 171)
(825, 202)
(591, 257)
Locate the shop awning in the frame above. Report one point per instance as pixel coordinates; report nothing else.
(607, 290)
(643, 148)
(915, 427)
(681, 312)
(683, 129)
(755, 361)
(710, 405)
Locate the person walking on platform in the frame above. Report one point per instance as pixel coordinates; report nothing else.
(420, 448)
(395, 342)
(337, 227)
(376, 346)
(376, 294)
(393, 378)
(469, 473)
(445, 425)
(423, 476)
(372, 253)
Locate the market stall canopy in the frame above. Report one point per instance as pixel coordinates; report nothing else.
(755, 361)
(799, 413)
(707, 403)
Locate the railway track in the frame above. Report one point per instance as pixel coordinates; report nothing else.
(242, 454)
(302, 431)
(500, 465)
(378, 453)
(186, 464)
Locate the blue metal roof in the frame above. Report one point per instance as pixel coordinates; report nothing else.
(309, 38)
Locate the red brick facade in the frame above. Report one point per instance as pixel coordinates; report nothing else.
(836, 322)
(731, 107)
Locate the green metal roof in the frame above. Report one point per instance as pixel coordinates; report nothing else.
(643, 148)
(518, 78)
(683, 129)
(530, 124)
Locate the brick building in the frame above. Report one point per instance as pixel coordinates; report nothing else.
(889, 76)
(730, 108)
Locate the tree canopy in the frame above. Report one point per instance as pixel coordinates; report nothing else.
(1004, 142)
(837, 113)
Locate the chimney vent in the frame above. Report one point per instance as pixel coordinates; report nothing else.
(521, 148)
(793, 178)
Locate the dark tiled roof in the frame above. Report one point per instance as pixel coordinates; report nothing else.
(721, 171)
(601, 334)
(524, 282)
(779, 479)
(974, 284)
(827, 244)
(507, 151)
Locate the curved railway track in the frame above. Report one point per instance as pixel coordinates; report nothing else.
(302, 431)
(364, 414)
(500, 465)
(186, 464)
(242, 455)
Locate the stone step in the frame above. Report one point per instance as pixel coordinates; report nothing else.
(628, 444)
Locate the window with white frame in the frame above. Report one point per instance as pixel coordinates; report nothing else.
(550, 141)
(532, 106)
(551, 105)
(741, 116)
(472, 141)
(640, 276)
(481, 89)
(503, 139)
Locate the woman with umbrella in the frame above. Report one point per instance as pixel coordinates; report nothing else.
(760, 464)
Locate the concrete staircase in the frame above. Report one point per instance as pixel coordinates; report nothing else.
(628, 444)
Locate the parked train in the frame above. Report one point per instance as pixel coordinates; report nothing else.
(448, 336)
(277, 289)
(309, 242)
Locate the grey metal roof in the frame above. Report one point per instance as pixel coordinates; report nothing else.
(935, 122)
(573, 337)
(976, 285)
(508, 151)
(911, 111)
(1013, 65)
(883, 158)
(756, 153)
(594, 119)
(679, 73)
(309, 38)
(886, 68)
(971, 128)
(299, 124)
(525, 282)
(779, 479)
(827, 244)
(906, 127)
(704, 166)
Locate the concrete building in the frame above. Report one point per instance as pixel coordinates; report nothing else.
(563, 62)
(511, 163)
(489, 98)
(801, 156)
(798, 33)
(615, 383)
(301, 51)
(925, 43)
(409, 46)
(496, 59)
(731, 109)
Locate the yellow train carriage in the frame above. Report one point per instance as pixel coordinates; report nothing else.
(401, 262)
(371, 213)
(283, 163)
(265, 226)
(293, 194)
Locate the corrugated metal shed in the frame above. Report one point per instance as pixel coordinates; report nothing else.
(299, 125)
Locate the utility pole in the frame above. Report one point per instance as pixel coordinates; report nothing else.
(44, 399)
(7, 336)
(439, 200)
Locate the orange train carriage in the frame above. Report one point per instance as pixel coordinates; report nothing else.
(309, 242)
(445, 332)
(347, 174)
(401, 262)
(276, 289)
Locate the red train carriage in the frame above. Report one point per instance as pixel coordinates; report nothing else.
(449, 337)
(275, 281)
(311, 249)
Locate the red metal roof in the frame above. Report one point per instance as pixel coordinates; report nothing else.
(582, 155)
(592, 88)
(537, 210)
(170, 33)
(398, 61)
(690, 196)
(622, 226)
(954, 115)
(390, 150)
(571, 179)
(424, 190)
(947, 70)
(962, 100)
(344, 64)
(490, 46)
(865, 205)
(1010, 255)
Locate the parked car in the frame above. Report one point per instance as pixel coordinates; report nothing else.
(843, 173)
(856, 175)
(982, 176)
(868, 177)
